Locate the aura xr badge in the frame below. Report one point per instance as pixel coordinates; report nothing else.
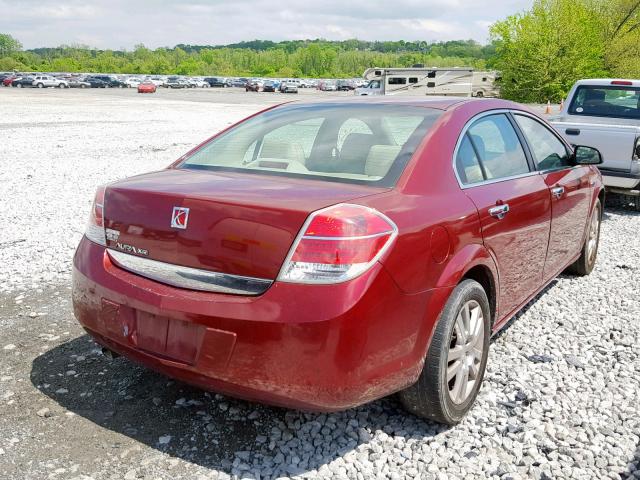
(180, 217)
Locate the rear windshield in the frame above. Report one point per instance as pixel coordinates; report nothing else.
(606, 101)
(362, 143)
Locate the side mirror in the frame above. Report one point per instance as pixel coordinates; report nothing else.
(587, 156)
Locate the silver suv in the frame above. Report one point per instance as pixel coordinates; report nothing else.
(42, 81)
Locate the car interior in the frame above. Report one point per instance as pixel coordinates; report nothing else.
(353, 147)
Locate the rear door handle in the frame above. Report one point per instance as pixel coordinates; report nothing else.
(499, 211)
(572, 131)
(557, 192)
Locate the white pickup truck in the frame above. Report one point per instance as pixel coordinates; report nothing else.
(605, 114)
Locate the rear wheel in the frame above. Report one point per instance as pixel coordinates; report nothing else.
(456, 360)
(584, 265)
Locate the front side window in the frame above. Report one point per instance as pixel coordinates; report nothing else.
(548, 151)
(356, 143)
(606, 101)
(495, 144)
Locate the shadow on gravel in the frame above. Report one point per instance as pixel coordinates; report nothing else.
(633, 467)
(204, 428)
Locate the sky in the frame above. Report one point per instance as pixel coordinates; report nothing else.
(155, 23)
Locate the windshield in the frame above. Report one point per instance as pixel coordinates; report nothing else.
(606, 101)
(355, 143)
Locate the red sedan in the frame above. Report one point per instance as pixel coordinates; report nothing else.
(147, 87)
(322, 255)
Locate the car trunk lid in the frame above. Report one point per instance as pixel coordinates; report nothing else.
(236, 223)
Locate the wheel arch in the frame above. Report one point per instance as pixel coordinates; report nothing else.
(483, 275)
(476, 263)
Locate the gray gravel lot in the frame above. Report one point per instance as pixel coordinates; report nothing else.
(560, 400)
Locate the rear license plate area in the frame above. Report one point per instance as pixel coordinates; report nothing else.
(168, 337)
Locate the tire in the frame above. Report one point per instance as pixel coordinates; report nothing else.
(83, 86)
(19, 85)
(589, 254)
(39, 85)
(480, 94)
(432, 396)
(62, 85)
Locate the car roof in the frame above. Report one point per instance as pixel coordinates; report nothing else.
(439, 103)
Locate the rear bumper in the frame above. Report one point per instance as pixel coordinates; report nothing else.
(320, 348)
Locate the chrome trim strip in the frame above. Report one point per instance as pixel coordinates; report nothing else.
(188, 277)
(339, 239)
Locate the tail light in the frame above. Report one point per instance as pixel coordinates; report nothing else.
(95, 228)
(337, 244)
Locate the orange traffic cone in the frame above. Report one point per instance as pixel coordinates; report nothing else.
(547, 111)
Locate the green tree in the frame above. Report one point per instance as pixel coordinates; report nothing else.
(8, 45)
(542, 52)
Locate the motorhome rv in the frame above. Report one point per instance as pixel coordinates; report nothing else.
(462, 82)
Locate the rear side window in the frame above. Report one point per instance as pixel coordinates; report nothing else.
(606, 101)
(397, 80)
(548, 151)
(468, 163)
(364, 143)
(490, 148)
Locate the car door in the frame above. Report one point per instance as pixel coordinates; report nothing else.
(513, 204)
(570, 189)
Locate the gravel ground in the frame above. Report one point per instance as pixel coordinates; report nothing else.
(560, 398)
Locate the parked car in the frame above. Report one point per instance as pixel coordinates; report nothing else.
(200, 83)
(22, 82)
(43, 81)
(157, 81)
(345, 85)
(269, 86)
(76, 82)
(175, 82)
(336, 266)
(105, 81)
(327, 86)
(289, 87)
(95, 82)
(240, 82)
(216, 82)
(109, 81)
(6, 81)
(253, 86)
(147, 87)
(132, 82)
(605, 114)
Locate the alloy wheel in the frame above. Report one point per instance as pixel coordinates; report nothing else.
(465, 352)
(594, 230)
